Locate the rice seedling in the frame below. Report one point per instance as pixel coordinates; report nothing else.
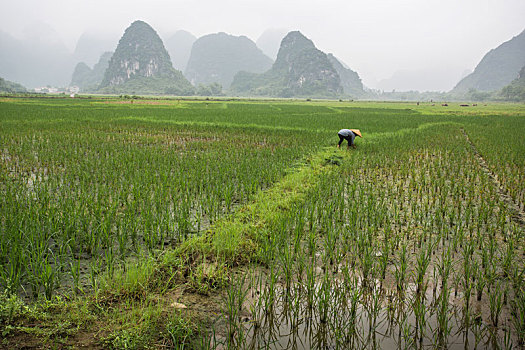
(423, 260)
(401, 270)
(345, 254)
(444, 325)
(518, 317)
(495, 303)
(480, 281)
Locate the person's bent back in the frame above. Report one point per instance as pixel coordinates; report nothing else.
(348, 135)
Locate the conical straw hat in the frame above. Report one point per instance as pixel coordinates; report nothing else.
(357, 132)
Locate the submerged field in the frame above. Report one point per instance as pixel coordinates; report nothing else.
(236, 224)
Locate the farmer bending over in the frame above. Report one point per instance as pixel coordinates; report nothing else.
(348, 135)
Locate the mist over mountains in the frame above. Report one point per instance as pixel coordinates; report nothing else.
(216, 58)
(350, 80)
(91, 46)
(270, 42)
(299, 70)
(497, 68)
(179, 47)
(40, 58)
(442, 78)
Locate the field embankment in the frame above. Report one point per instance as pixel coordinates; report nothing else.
(127, 225)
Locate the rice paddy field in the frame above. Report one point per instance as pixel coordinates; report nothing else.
(238, 224)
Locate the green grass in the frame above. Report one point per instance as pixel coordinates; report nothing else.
(113, 208)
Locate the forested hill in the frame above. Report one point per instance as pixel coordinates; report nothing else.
(515, 91)
(350, 80)
(299, 70)
(216, 58)
(10, 87)
(88, 79)
(142, 65)
(497, 68)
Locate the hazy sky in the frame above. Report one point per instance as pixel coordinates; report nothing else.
(377, 38)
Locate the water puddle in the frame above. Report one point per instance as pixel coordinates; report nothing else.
(338, 314)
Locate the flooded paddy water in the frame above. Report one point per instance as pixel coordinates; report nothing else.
(242, 226)
(384, 256)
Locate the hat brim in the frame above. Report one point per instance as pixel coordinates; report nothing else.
(357, 132)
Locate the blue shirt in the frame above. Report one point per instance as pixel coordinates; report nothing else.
(346, 133)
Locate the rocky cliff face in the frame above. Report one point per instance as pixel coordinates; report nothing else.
(292, 45)
(497, 68)
(299, 70)
(216, 58)
(350, 80)
(307, 68)
(141, 55)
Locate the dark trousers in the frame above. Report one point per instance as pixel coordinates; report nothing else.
(347, 138)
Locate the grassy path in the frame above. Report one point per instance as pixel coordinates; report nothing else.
(234, 238)
(129, 309)
(144, 301)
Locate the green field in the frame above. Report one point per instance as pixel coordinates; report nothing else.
(238, 224)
